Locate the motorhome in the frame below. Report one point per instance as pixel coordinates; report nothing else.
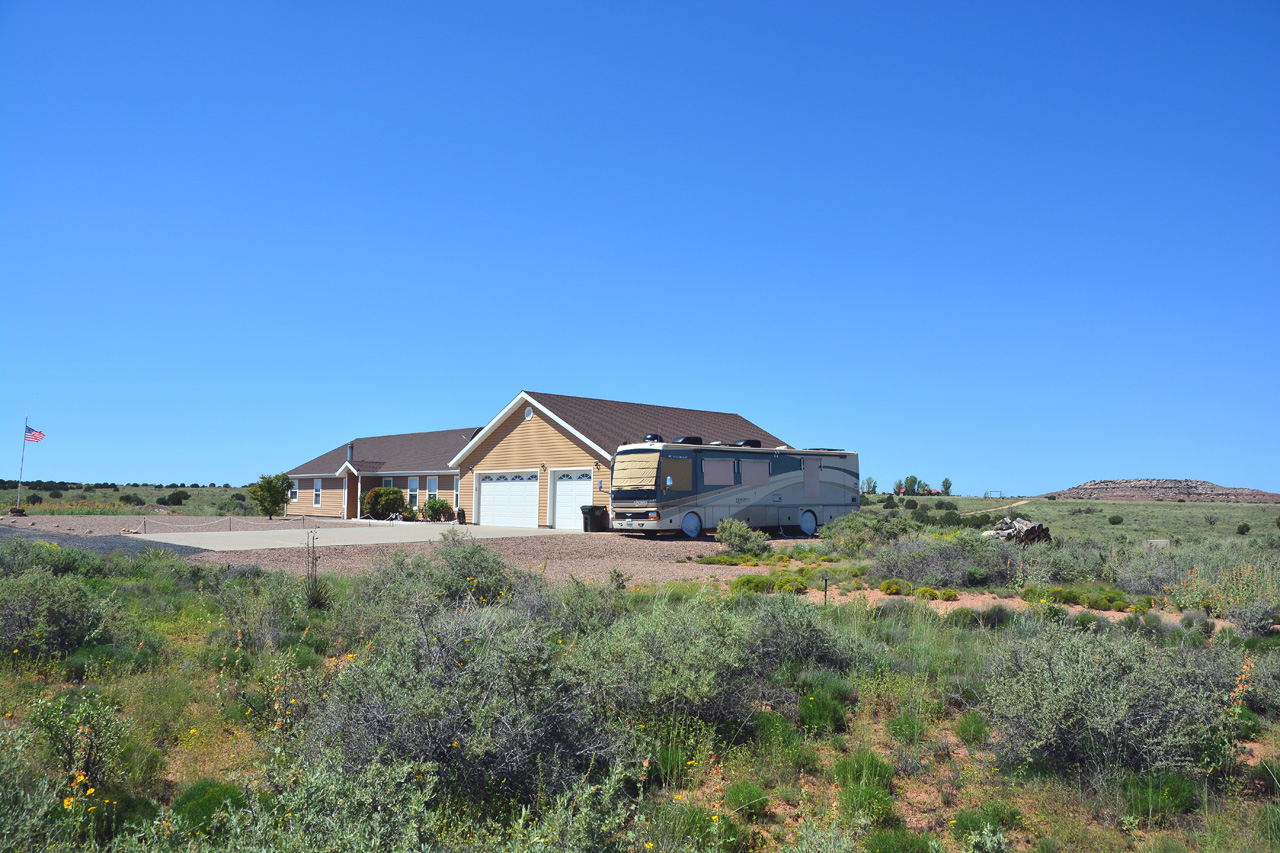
(687, 486)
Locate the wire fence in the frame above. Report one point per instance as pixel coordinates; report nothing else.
(236, 523)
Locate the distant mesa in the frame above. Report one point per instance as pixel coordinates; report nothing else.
(1166, 490)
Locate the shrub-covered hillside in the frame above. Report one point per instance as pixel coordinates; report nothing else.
(455, 703)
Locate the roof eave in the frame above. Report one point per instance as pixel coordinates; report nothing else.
(507, 411)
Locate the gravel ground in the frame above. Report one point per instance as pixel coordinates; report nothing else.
(588, 556)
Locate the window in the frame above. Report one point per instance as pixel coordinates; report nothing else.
(433, 486)
(413, 492)
(679, 471)
(457, 481)
(717, 472)
(387, 483)
(315, 492)
(755, 472)
(293, 491)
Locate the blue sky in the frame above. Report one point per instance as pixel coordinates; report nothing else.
(1019, 245)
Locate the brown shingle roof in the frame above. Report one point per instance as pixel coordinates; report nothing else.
(408, 452)
(610, 423)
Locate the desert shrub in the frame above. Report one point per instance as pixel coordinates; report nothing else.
(437, 509)
(1089, 622)
(238, 496)
(383, 502)
(1159, 796)
(963, 559)
(987, 839)
(41, 613)
(32, 499)
(55, 494)
(1242, 529)
(199, 803)
(1116, 519)
(684, 826)
(863, 767)
(747, 799)
(926, 593)
(752, 584)
(946, 505)
(176, 498)
(737, 537)
(948, 595)
(893, 586)
(972, 729)
(910, 503)
(1108, 702)
(889, 502)
(84, 733)
(1253, 621)
(130, 499)
(950, 518)
(162, 501)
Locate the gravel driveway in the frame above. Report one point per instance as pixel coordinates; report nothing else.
(588, 556)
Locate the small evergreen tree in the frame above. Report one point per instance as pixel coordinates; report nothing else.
(271, 493)
(946, 486)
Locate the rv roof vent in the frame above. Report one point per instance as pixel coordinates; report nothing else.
(653, 436)
(827, 449)
(688, 439)
(715, 443)
(747, 442)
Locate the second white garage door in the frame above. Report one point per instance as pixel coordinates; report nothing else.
(509, 500)
(572, 492)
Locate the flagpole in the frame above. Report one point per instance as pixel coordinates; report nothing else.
(26, 422)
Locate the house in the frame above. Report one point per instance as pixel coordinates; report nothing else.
(544, 456)
(535, 464)
(416, 463)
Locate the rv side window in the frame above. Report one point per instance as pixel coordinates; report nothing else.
(717, 472)
(755, 472)
(680, 472)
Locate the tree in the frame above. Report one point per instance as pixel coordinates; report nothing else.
(869, 486)
(910, 484)
(946, 486)
(898, 488)
(923, 488)
(271, 493)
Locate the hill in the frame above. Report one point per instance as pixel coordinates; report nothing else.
(1165, 490)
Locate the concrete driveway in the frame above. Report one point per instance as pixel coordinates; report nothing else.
(361, 533)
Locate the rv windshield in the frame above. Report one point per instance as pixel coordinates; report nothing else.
(635, 476)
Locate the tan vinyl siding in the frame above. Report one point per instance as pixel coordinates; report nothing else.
(330, 498)
(520, 445)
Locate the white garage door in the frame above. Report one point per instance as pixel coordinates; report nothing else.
(572, 493)
(509, 500)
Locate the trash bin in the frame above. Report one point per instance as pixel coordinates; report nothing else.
(595, 519)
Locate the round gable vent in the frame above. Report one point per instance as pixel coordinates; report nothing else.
(528, 413)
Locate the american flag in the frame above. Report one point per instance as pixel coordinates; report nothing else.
(34, 435)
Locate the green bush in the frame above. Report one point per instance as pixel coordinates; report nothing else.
(383, 502)
(863, 767)
(752, 584)
(737, 537)
(1242, 529)
(910, 503)
(948, 595)
(972, 729)
(868, 805)
(747, 799)
(32, 499)
(437, 509)
(55, 494)
(1116, 519)
(822, 709)
(1158, 796)
(43, 614)
(898, 840)
(926, 593)
(199, 803)
(84, 733)
(907, 727)
(894, 586)
(995, 814)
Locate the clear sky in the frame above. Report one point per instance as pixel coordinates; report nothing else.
(1019, 245)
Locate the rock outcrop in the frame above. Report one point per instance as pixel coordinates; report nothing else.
(1166, 490)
